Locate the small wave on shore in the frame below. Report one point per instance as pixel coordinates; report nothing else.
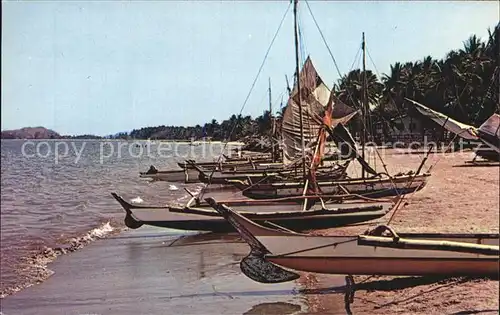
(34, 269)
(68, 205)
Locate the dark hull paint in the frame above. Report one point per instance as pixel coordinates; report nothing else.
(220, 225)
(488, 154)
(297, 220)
(265, 178)
(370, 194)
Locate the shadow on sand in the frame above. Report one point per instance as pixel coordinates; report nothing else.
(479, 164)
(348, 290)
(392, 285)
(206, 238)
(476, 312)
(274, 308)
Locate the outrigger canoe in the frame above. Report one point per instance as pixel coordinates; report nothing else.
(193, 173)
(336, 171)
(189, 174)
(232, 165)
(289, 215)
(369, 187)
(370, 254)
(174, 176)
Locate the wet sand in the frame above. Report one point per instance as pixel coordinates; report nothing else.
(145, 272)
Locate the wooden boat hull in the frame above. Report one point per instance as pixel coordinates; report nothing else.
(229, 165)
(237, 166)
(392, 266)
(403, 254)
(245, 156)
(203, 219)
(219, 225)
(348, 257)
(373, 188)
(295, 170)
(267, 176)
(174, 176)
(221, 178)
(488, 153)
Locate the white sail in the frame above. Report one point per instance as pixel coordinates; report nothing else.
(465, 131)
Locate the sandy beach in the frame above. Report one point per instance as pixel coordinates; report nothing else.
(129, 127)
(157, 271)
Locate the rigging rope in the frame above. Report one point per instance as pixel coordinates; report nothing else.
(264, 97)
(494, 77)
(356, 58)
(379, 75)
(396, 208)
(247, 97)
(348, 240)
(328, 48)
(445, 151)
(278, 99)
(333, 58)
(324, 40)
(302, 45)
(391, 98)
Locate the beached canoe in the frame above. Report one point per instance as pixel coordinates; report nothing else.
(288, 215)
(231, 165)
(267, 176)
(372, 254)
(369, 187)
(173, 176)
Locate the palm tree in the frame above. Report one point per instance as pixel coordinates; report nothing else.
(349, 89)
(472, 46)
(392, 93)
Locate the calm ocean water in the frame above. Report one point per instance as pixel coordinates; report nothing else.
(51, 200)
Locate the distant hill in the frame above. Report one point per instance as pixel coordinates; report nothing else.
(82, 137)
(30, 133)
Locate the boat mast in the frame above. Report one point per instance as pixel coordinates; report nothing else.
(497, 36)
(296, 35)
(272, 123)
(364, 106)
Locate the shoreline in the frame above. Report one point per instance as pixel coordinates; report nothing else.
(151, 270)
(181, 141)
(447, 204)
(36, 266)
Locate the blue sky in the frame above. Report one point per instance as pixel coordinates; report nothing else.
(103, 67)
